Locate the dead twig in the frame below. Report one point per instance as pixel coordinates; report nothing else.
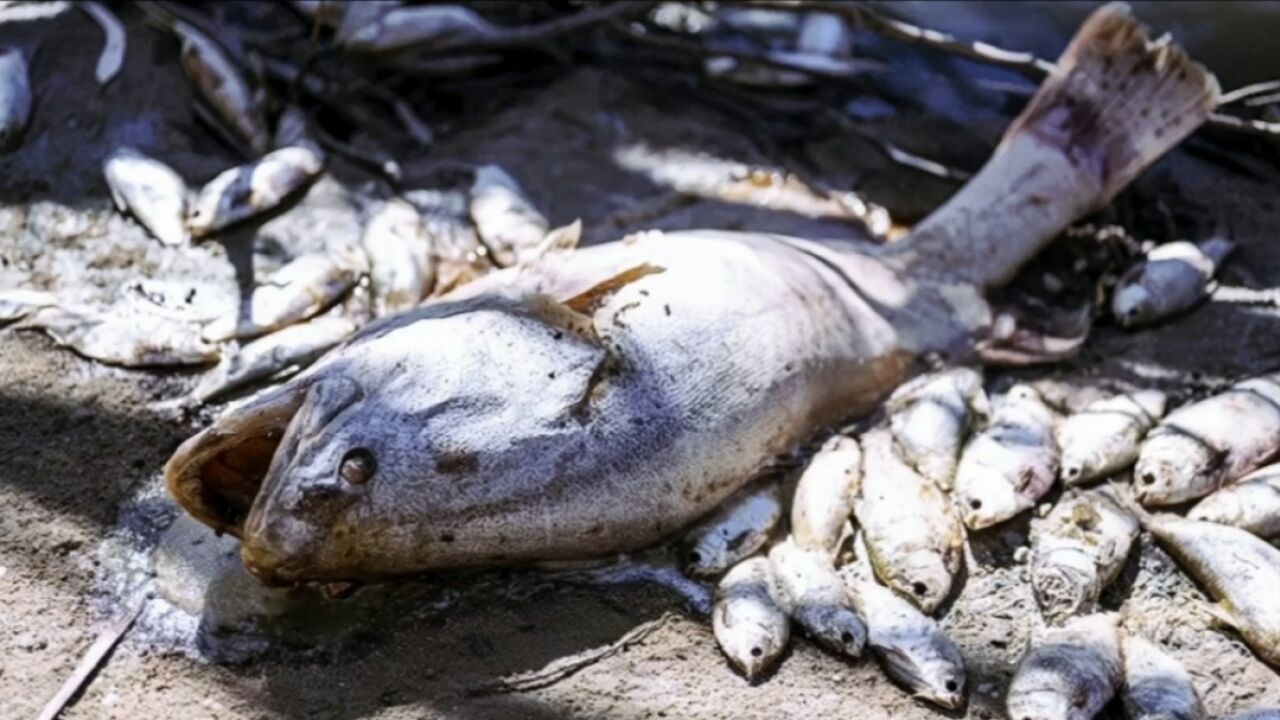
(93, 658)
(541, 32)
(1249, 91)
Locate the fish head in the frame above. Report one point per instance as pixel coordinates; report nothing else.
(751, 648)
(987, 493)
(926, 577)
(1172, 467)
(1065, 582)
(1045, 703)
(928, 672)
(1134, 305)
(835, 626)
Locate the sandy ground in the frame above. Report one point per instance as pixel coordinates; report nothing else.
(81, 449)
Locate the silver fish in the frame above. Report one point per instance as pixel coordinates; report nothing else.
(20, 302)
(1104, 437)
(1077, 551)
(1200, 447)
(301, 289)
(1238, 569)
(1070, 673)
(131, 338)
(1257, 714)
(400, 28)
(223, 86)
(1157, 687)
(812, 592)
(749, 624)
(1172, 278)
(401, 263)
(242, 192)
(1011, 464)
(823, 500)
(1252, 503)
(737, 530)
(15, 97)
(914, 538)
(930, 418)
(508, 224)
(295, 345)
(149, 190)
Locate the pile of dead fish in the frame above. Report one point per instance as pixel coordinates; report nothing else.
(874, 545)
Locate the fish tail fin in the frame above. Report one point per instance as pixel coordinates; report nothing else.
(1113, 105)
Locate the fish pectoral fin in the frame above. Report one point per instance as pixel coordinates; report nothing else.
(588, 299)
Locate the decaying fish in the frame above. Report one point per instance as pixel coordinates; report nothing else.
(15, 97)
(400, 28)
(149, 190)
(1240, 570)
(1104, 437)
(1157, 687)
(223, 86)
(1172, 278)
(18, 303)
(737, 530)
(823, 500)
(125, 336)
(301, 289)
(508, 224)
(914, 539)
(750, 625)
(1011, 464)
(930, 418)
(271, 354)
(1252, 503)
(812, 592)
(1200, 447)
(1077, 551)
(458, 255)
(1070, 673)
(401, 263)
(414, 446)
(242, 192)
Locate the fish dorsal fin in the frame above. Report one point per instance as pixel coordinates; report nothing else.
(590, 298)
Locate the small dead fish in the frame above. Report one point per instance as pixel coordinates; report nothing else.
(1200, 447)
(1252, 503)
(812, 593)
(296, 345)
(300, 290)
(401, 264)
(15, 97)
(1172, 278)
(1157, 687)
(149, 190)
(1257, 714)
(1104, 437)
(1077, 551)
(930, 417)
(736, 530)
(823, 499)
(130, 339)
(400, 28)
(914, 538)
(1011, 464)
(242, 192)
(223, 86)
(508, 224)
(18, 303)
(749, 624)
(1070, 673)
(1240, 570)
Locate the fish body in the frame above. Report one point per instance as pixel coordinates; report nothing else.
(1202, 446)
(125, 337)
(1252, 503)
(303, 288)
(913, 535)
(237, 194)
(150, 191)
(223, 86)
(823, 500)
(15, 97)
(1157, 687)
(399, 28)
(1172, 278)
(930, 417)
(1011, 464)
(1104, 437)
(1077, 551)
(1070, 673)
(18, 303)
(812, 593)
(401, 263)
(734, 532)
(1258, 714)
(268, 355)
(749, 624)
(508, 223)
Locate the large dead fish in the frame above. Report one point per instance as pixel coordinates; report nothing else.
(1070, 673)
(1077, 551)
(931, 416)
(1252, 503)
(149, 190)
(823, 500)
(1172, 278)
(601, 402)
(15, 97)
(1104, 437)
(1157, 687)
(1011, 464)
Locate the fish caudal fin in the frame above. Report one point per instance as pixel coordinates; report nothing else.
(1114, 104)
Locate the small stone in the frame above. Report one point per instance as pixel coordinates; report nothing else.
(1021, 554)
(30, 642)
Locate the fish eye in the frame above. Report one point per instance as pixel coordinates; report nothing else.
(358, 466)
(951, 686)
(975, 504)
(919, 588)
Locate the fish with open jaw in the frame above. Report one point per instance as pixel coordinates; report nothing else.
(749, 624)
(1156, 687)
(509, 225)
(128, 336)
(223, 86)
(246, 191)
(930, 418)
(1252, 503)
(415, 447)
(1077, 551)
(823, 500)
(269, 355)
(734, 532)
(1005, 469)
(18, 303)
(303, 288)
(1200, 447)
(401, 262)
(149, 190)
(1070, 673)
(15, 98)
(812, 593)
(1104, 437)
(1172, 278)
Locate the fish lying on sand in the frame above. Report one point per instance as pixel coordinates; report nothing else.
(1156, 687)
(1069, 673)
(1104, 437)
(301, 289)
(823, 500)
(1077, 551)
(1007, 467)
(1172, 278)
(931, 416)
(1252, 503)
(735, 531)
(749, 623)
(149, 190)
(812, 593)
